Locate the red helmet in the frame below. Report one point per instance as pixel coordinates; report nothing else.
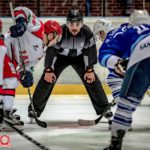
(52, 26)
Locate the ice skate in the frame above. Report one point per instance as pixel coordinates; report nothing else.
(13, 119)
(116, 142)
(15, 116)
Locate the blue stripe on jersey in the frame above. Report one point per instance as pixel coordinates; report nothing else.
(103, 61)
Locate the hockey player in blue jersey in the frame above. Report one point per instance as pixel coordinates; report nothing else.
(136, 41)
(109, 57)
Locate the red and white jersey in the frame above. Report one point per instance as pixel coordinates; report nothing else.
(9, 68)
(31, 42)
(2, 57)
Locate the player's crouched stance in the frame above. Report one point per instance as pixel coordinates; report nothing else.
(52, 35)
(133, 87)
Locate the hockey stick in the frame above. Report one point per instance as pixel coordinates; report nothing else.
(83, 122)
(41, 146)
(39, 122)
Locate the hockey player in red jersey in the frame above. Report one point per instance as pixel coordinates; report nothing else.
(7, 89)
(7, 71)
(52, 35)
(24, 54)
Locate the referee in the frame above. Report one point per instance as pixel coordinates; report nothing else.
(77, 48)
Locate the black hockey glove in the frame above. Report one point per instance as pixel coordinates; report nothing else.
(121, 66)
(26, 78)
(18, 29)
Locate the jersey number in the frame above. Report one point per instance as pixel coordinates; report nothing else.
(140, 29)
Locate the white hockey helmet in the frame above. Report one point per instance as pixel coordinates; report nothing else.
(139, 17)
(102, 25)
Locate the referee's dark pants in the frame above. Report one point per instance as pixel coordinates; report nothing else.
(43, 89)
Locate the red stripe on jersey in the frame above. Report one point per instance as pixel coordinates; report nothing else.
(18, 12)
(1, 90)
(2, 42)
(9, 69)
(40, 32)
(9, 92)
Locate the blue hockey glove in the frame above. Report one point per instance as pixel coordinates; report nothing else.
(26, 79)
(18, 29)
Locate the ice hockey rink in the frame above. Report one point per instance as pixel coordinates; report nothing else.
(63, 132)
(62, 113)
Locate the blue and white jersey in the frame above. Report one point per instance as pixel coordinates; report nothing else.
(110, 50)
(122, 44)
(138, 43)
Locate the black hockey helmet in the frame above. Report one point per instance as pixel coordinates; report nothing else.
(74, 14)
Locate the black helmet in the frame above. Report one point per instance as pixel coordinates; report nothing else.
(74, 14)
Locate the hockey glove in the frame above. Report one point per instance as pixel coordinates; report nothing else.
(121, 66)
(26, 78)
(18, 29)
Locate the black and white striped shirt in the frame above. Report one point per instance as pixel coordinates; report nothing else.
(72, 46)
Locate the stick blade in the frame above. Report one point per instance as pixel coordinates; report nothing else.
(41, 123)
(82, 122)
